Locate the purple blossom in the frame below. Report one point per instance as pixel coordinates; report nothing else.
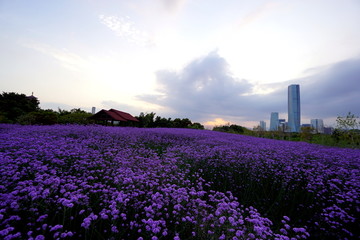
(299, 230)
(39, 237)
(222, 237)
(114, 229)
(56, 227)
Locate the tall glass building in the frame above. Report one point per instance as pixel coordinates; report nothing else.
(317, 125)
(294, 108)
(263, 125)
(274, 121)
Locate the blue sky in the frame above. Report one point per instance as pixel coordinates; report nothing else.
(211, 61)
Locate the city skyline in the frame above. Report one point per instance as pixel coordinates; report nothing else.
(293, 123)
(209, 61)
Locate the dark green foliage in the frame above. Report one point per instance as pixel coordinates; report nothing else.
(306, 134)
(163, 122)
(347, 131)
(181, 123)
(349, 122)
(196, 125)
(74, 116)
(19, 108)
(231, 129)
(41, 117)
(13, 105)
(146, 120)
(49, 117)
(149, 120)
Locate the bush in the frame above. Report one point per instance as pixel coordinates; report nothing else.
(42, 117)
(231, 129)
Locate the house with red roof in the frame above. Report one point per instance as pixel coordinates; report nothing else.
(114, 117)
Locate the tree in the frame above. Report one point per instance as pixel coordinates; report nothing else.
(74, 116)
(163, 122)
(146, 120)
(349, 122)
(149, 120)
(259, 131)
(237, 128)
(197, 125)
(13, 105)
(233, 128)
(181, 123)
(306, 133)
(346, 128)
(41, 117)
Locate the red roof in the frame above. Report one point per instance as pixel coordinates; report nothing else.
(114, 115)
(123, 115)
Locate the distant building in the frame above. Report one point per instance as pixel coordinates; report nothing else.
(281, 121)
(274, 121)
(282, 125)
(32, 97)
(328, 130)
(263, 125)
(317, 125)
(93, 110)
(294, 108)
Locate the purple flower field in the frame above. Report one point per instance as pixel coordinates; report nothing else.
(95, 182)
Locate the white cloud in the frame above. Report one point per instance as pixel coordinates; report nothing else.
(126, 29)
(69, 60)
(173, 5)
(257, 14)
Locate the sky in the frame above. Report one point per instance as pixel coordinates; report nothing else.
(214, 62)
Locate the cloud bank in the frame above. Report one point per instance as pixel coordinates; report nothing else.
(205, 89)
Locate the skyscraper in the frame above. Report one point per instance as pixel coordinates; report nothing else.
(263, 125)
(317, 125)
(274, 121)
(294, 108)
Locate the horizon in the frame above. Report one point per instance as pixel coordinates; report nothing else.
(214, 63)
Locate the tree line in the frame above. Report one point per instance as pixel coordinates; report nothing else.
(22, 109)
(150, 120)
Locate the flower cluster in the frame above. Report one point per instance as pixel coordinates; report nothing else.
(94, 182)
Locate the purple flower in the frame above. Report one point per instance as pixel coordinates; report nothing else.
(299, 230)
(222, 237)
(40, 237)
(151, 179)
(56, 227)
(114, 229)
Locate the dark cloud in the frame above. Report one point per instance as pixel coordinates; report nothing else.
(206, 89)
(334, 91)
